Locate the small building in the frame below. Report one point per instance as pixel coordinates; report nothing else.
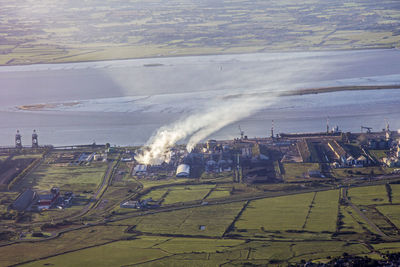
(183, 170)
(130, 204)
(47, 201)
(138, 204)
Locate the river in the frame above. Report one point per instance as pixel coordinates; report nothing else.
(125, 101)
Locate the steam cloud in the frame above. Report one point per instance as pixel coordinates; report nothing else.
(219, 113)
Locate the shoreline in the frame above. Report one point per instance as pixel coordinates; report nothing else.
(324, 90)
(300, 92)
(205, 54)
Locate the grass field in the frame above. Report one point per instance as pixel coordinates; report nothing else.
(176, 194)
(217, 193)
(68, 178)
(142, 250)
(114, 254)
(392, 212)
(319, 218)
(21, 252)
(215, 219)
(267, 213)
(368, 195)
(152, 183)
(187, 193)
(295, 172)
(163, 251)
(349, 222)
(392, 247)
(395, 193)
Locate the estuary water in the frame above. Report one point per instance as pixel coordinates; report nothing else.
(125, 101)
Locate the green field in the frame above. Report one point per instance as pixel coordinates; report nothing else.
(216, 193)
(68, 178)
(187, 193)
(295, 172)
(349, 221)
(392, 247)
(21, 252)
(392, 212)
(368, 195)
(319, 219)
(178, 194)
(162, 251)
(267, 213)
(395, 193)
(215, 219)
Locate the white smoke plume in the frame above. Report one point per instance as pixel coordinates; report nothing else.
(219, 113)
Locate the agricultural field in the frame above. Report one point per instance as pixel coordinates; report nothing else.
(395, 193)
(368, 195)
(392, 212)
(284, 229)
(305, 216)
(163, 251)
(186, 193)
(349, 221)
(218, 193)
(319, 219)
(49, 32)
(214, 219)
(21, 252)
(177, 194)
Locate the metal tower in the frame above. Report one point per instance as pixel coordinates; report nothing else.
(35, 143)
(18, 140)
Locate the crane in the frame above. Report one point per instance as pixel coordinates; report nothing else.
(366, 128)
(241, 133)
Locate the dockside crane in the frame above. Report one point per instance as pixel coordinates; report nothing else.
(366, 128)
(241, 133)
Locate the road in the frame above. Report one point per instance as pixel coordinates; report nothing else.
(362, 215)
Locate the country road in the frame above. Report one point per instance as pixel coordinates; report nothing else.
(362, 215)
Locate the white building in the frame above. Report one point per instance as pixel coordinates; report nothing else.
(183, 170)
(140, 169)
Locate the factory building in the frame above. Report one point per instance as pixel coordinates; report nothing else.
(32, 201)
(24, 200)
(183, 170)
(140, 169)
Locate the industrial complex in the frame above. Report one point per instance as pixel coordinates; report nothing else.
(295, 188)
